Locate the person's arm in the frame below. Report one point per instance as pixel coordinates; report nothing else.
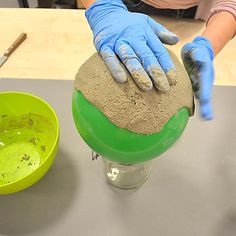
(198, 56)
(220, 28)
(87, 3)
(134, 40)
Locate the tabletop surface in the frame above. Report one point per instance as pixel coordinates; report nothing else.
(191, 191)
(59, 42)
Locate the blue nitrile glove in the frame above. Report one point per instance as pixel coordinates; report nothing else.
(136, 40)
(198, 61)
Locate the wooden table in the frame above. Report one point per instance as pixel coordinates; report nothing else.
(59, 42)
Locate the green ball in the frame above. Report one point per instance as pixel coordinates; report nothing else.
(119, 144)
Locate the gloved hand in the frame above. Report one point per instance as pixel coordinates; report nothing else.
(136, 40)
(198, 61)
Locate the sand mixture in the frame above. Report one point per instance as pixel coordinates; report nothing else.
(125, 105)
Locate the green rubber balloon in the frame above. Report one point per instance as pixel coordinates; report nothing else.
(119, 144)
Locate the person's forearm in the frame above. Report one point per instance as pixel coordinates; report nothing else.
(220, 29)
(87, 3)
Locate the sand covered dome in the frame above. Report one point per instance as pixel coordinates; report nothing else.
(125, 105)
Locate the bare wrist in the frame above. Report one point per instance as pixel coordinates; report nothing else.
(220, 29)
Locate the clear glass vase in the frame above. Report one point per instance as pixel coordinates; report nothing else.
(126, 176)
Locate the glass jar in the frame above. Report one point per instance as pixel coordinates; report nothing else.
(126, 176)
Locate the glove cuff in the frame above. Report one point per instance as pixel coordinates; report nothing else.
(205, 42)
(100, 8)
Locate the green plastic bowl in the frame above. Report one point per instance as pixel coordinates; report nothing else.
(118, 144)
(29, 135)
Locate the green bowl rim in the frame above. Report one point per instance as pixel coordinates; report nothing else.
(57, 131)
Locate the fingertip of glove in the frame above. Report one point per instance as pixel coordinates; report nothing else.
(120, 77)
(168, 37)
(159, 79)
(207, 117)
(185, 49)
(118, 74)
(142, 80)
(206, 112)
(171, 76)
(163, 86)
